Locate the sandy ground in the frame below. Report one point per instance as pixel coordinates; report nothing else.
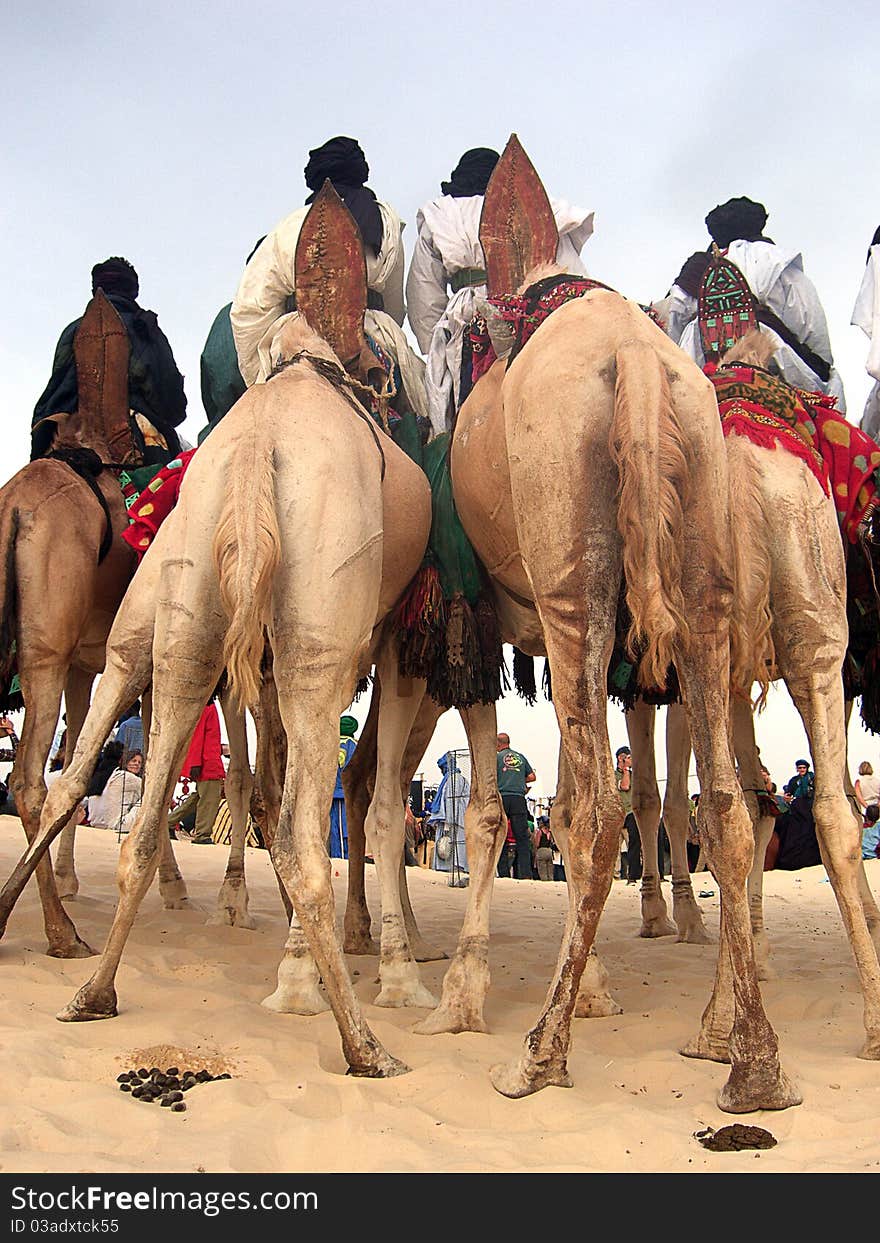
(634, 1106)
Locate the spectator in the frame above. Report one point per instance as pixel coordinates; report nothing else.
(515, 775)
(131, 730)
(204, 766)
(337, 841)
(867, 786)
(871, 832)
(121, 796)
(447, 817)
(801, 784)
(794, 844)
(623, 776)
(544, 848)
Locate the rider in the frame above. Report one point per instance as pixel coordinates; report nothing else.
(155, 386)
(788, 305)
(448, 253)
(266, 292)
(866, 315)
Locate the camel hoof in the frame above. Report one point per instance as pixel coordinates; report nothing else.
(427, 953)
(356, 943)
(694, 933)
(398, 996)
(752, 1090)
(513, 1081)
(658, 926)
(870, 1050)
(71, 949)
(705, 1049)
(386, 1068)
(174, 895)
(87, 1006)
(446, 1019)
(596, 1006)
(231, 917)
(67, 884)
(305, 1004)
(766, 970)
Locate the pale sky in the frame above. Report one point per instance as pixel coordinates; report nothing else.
(176, 136)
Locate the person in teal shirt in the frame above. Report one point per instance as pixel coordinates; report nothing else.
(515, 775)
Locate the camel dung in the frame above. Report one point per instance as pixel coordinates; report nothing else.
(735, 1138)
(178, 1107)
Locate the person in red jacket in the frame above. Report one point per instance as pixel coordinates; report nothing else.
(204, 766)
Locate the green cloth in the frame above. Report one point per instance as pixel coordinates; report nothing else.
(347, 726)
(222, 384)
(450, 547)
(467, 277)
(513, 768)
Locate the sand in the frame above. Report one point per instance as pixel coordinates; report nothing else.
(190, 990)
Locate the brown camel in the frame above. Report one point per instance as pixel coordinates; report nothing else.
(63, 572)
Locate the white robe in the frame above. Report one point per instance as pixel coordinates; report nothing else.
(449, 242)
(268, 281)
(776, 278)
(866, 315)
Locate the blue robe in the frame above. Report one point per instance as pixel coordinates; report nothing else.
(337, 843)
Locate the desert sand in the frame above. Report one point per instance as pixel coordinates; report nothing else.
(184, 986)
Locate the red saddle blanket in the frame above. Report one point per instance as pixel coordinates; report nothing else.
(769, 412)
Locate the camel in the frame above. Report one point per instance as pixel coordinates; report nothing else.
(64, 572)
(284, 444)
(790, 591)
(601, 403)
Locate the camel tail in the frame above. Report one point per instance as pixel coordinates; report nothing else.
(648, 448)
(247, 549)
(751, 640)
(9, 524)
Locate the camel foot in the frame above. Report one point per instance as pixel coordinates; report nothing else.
(515, 1081)
(89, 1004)
(658, 926)
(67, 884)
(174, 895)
(707, 1048)
(757, 1087)
(230, 917)
(452, 1018)
(596, 1006)
(359, 943)
(398, 995)
(232, 906)
(77, 948)
(385, 1068)
(870, 1050)
(423, 952)
(304, 1001)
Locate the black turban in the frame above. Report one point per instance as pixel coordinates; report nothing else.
(343, 161)
(471, 175)
(117, 276)
(737, 220)
(691, 275)
(874, 240)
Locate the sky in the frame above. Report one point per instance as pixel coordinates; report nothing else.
(176, 136)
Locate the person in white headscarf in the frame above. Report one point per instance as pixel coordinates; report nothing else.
(266, 294)
(447, 820)
(447, 278)
(788, 306)
(866, 315)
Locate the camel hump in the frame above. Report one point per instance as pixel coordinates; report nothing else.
(330, 273)
(517, 226)
(101, 349)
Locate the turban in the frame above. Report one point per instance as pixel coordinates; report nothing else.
(874, 240)
(471, 174)
(347, 726)
(117, 276)
(736, 220)
(343, 162)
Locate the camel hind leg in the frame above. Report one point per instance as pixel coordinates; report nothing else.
(646, 808)
(232, 900)
(76, 703)
(687, 915)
